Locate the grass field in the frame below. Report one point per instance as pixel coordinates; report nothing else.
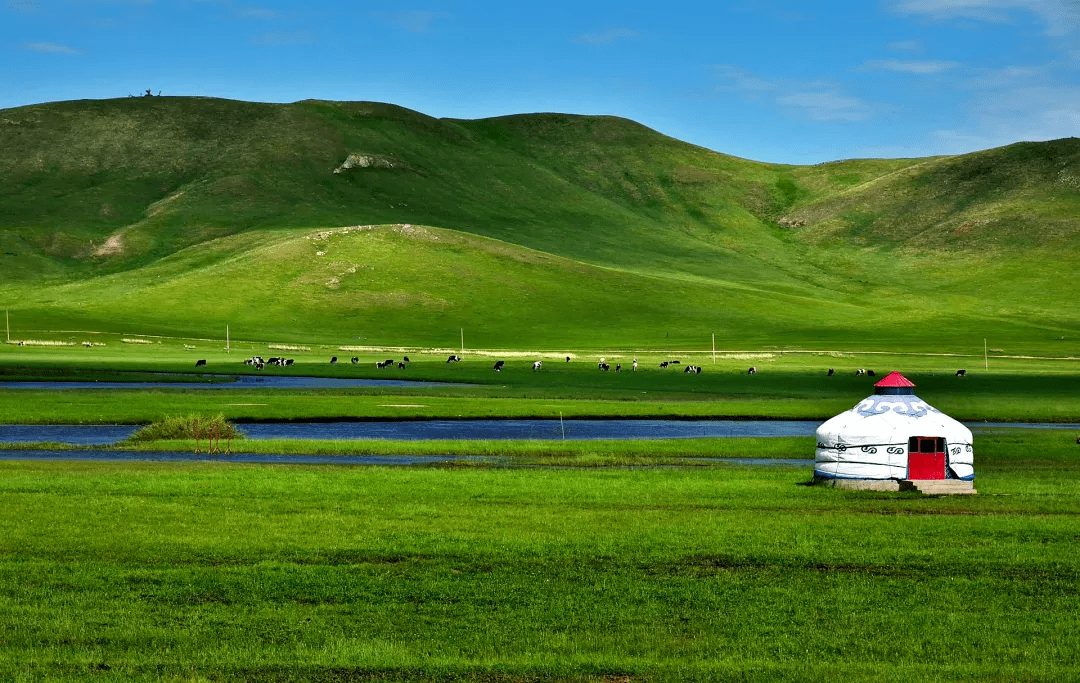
(272, 573)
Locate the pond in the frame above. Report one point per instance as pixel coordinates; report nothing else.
(276, 458)
(97, 435)
(237, 382)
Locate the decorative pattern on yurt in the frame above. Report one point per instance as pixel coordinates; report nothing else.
(894, 434)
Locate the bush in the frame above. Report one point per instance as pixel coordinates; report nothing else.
(177, 427)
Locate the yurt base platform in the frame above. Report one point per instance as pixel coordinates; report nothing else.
(927, 487)
(939, 487)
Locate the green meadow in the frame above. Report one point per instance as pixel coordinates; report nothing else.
(141, 235)
(212, 571)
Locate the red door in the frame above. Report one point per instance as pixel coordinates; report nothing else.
(926, 457)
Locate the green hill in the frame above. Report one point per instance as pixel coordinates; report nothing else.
(180, 215)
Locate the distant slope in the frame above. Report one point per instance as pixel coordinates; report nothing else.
(108, 209)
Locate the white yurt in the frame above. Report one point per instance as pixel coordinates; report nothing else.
(893, 435)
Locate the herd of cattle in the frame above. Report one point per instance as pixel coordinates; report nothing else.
(260, 363)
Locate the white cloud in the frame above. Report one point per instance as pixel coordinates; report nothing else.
(53, 48)
(606, 37)
(817, 101)
(415, 21)
(908, 67)
(905, 46)
(1060, 16)
(283, 38)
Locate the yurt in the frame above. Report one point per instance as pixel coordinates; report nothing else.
(892, 437)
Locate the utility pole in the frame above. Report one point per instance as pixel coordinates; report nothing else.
(227, 339)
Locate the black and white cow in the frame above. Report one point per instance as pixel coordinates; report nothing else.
(603, 366)
(288, 362)
(200, 363)
(831, 372)
(664, 364)
(406, 359)
(618, 367)
(752, 370)
(538, 364)
(871, 373)
(860, 371)
(961, 373)
(453, 359)
(333, 360)
(355, 360)
(499, 365)
(401, 365)
(382, 364)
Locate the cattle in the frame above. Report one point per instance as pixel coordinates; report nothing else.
(355, 360)
(499, 365)
(831, 372)
(288, 362)
(674, 362)
(333, 360)
(871, 373)
(603, 366)
(635, 365)
(618, 367)
(389, 361)
(538, 364)
(401, 366)
(384, 364)
(860, 371)
(664, 364)
(453, 359)
(90, 346)
(695, 369)
(200, 363)
(752, 370)
(961, 373)
(406, 359)
(568, 359)
(259, 366)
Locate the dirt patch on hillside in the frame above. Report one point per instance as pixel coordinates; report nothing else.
(113, 246)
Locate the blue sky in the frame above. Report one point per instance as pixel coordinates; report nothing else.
(788, 82)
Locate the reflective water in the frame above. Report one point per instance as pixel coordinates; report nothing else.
(95, 435)
(235, 382)
(275, 458)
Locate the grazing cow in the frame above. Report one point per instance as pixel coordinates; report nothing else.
(333, 360)
(674, 362)
(860, 371)
(90, 346)
(635, 365)
(200, 363)
(752, 370)
(538, 364)
(401, 366)
(871, 373)
(568, 359)
(498, 365)
(961, 373)
(453, 359)
(406, 359)
(603, 366)
(831, 371)
(259, 366)
(379, 364)
(355, 360)
(664, 364)
(389, 361)
(688, 368)
(288, 362)
(618, 367)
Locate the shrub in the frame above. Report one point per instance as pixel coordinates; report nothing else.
(178, 427)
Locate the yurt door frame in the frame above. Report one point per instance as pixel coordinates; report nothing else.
(926, 457)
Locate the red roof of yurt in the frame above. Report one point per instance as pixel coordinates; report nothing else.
(895, 379)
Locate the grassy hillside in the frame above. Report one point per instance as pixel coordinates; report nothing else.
(180, 215)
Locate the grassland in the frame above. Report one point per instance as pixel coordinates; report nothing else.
(222, 572)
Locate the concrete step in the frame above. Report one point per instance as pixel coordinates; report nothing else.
(939, 487)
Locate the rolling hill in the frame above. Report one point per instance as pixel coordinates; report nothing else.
(180, 215)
